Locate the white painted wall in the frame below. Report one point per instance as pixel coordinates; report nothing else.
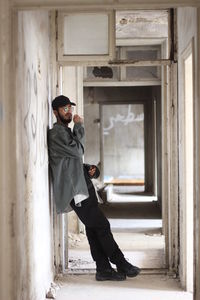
(187, 29)
(26, 267)
(7, 160)
(34, 261)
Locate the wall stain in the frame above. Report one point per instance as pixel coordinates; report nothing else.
(26, 153)
(12, 219)
(35, 84)
(33, 126)
(39, 66)
(1, 111)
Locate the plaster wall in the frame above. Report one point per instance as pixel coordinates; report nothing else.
(7, 159)
(187, 29)
(33, 227)
(123, 140)
(95, 96)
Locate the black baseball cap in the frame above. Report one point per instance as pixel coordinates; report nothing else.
(60, 101)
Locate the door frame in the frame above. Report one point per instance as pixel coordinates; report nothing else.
(186, 278)
(169, 147)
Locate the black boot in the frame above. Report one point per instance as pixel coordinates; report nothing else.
(129, 270)
(109, 274)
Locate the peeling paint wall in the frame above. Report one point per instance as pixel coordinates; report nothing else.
(137, 24)
(34, 262)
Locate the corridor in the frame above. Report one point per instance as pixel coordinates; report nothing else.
(132, 67)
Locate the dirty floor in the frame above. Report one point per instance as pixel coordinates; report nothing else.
(143, 287)
(144, 250)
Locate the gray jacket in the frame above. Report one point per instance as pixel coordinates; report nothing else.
(65, 158)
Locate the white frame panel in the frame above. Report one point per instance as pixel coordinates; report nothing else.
(186, 258)
(84, 58)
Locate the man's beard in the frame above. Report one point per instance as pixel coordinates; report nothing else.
(65, 121)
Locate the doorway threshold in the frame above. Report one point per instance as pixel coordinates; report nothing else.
(144, 271)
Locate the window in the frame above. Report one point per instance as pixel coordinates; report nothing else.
(122, 73)
(85, 36)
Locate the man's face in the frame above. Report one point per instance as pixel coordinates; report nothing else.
(64, 113)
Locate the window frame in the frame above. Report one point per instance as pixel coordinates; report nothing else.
(72, 59)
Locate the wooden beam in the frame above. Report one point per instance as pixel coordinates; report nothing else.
(140, 41)
(123, 83)
(140, 63)
(120, 62)
(102, 5)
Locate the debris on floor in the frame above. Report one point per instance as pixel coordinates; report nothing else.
(51, 294)
(75, 239)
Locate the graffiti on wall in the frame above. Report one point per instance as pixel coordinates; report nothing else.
(124, 119)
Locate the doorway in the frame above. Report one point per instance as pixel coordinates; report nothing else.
(142, 81)
(133, 210)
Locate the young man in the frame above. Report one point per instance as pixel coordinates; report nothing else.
(73, 189)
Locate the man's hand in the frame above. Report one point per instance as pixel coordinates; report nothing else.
(92, 171)
(77, 119)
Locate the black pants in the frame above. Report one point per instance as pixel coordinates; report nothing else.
(102, 244)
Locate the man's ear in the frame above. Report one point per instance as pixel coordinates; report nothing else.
(55, 113)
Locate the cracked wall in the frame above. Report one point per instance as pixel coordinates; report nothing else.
(34, 262)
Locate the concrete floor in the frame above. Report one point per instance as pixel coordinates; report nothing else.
(138, 231)
(151, 287)
(142, 249)
(134, 210)
(137, 228)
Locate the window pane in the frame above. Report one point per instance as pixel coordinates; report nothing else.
(140, 73)
(102, 73)
(142, 54)
(86, 34)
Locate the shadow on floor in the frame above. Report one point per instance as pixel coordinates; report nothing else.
(136, 210)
